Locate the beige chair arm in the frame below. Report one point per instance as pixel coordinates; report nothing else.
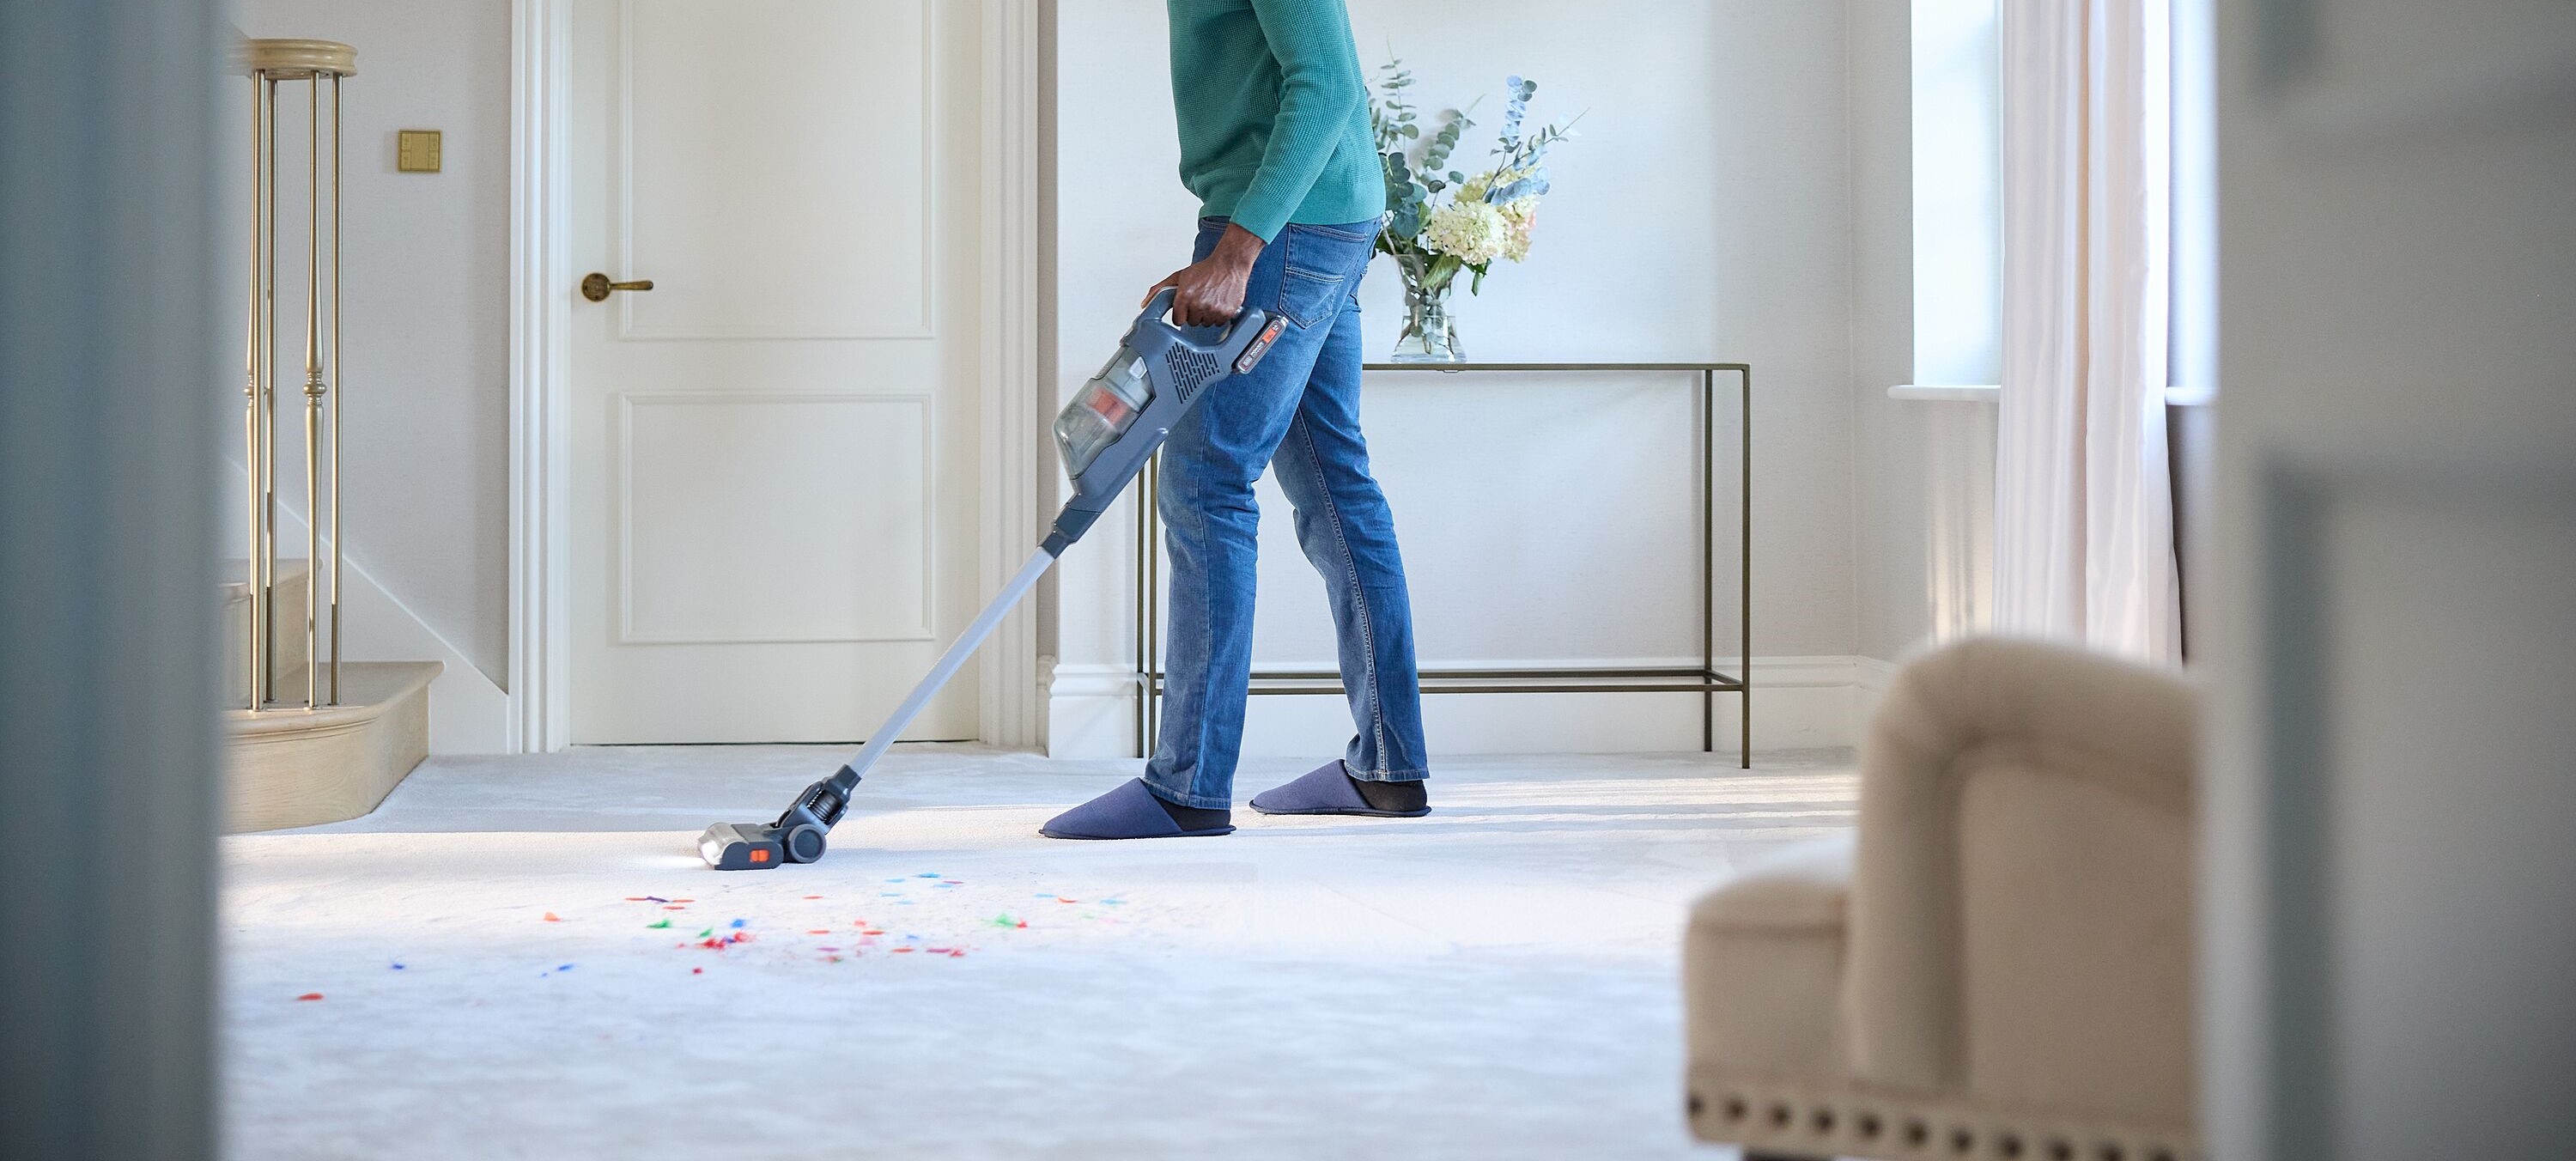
(2037, 745)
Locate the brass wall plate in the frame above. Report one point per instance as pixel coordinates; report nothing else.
(416, 151)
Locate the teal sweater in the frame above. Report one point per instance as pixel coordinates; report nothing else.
(1273, 113)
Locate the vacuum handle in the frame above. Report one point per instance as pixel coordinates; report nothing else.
(1227, 345)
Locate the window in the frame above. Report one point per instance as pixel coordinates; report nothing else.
(1958, 194)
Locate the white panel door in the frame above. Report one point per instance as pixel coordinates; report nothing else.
(773, 448)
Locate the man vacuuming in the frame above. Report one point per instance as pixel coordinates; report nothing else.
(1275, 144)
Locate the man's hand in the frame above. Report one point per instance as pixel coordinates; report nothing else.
(1209, 292)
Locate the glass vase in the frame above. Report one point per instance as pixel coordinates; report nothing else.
(1430, 332)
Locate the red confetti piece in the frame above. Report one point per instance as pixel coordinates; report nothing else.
(697, 971)
(820, 931)
(1024, 923)
(551, 917)
(827, 949)
(1062, 899)
(813, 896)
(310, 996)
(902, 949)
(684, 900)
(639, 898)
(673, 907)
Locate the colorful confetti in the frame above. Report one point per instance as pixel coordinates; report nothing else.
(310, 996)
(666, 922)
(551, 917)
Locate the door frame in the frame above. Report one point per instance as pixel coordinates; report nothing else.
(1011, 706)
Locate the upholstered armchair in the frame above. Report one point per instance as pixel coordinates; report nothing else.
(1998, 964)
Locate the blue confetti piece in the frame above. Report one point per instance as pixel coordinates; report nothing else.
(397, 967)
(888, 894)
(927, 875)
(1045, 895)
(739, 923)
(564, 968)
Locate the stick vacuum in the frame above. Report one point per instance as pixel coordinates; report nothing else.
(1106, 434)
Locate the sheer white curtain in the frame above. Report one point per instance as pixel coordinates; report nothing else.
(2083, 502)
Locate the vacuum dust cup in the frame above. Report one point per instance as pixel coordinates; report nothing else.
(1103, 410)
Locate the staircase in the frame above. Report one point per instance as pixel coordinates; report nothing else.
(290, 766)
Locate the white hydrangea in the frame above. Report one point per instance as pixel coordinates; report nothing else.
(1519, 214)
(1473, 231)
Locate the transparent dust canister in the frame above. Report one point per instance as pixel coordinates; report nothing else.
(1102, 411)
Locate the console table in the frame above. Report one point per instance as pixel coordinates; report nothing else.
(1706, 679)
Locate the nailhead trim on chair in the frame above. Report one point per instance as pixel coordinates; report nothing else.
(1898, 1129)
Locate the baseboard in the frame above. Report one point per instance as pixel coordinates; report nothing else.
(1798, 703)
(468, 712)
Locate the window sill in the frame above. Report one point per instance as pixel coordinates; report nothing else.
(2176, 396)
(1987, 393)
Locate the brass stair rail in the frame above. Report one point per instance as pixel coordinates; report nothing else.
(270, 63)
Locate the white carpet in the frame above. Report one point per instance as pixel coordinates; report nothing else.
(1496, 980)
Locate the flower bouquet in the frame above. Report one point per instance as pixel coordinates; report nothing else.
(1440, 221)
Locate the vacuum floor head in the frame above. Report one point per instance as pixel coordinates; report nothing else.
(796, 837)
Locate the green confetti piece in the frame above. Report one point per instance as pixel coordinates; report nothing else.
(664, 923)
(706, 933)
(1004, 920)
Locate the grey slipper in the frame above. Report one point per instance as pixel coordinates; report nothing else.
(1128, 812)
(1324, 790)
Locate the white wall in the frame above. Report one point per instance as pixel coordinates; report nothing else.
(1703, 213)
(1890, 462)
(425, 371)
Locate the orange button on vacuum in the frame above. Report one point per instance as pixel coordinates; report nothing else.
(760, 854)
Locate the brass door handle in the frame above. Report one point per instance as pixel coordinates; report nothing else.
(595, 287)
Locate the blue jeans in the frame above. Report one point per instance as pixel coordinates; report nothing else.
(1298, 412)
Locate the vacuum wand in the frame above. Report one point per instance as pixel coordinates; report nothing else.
(1114, 424)
(949, 663)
